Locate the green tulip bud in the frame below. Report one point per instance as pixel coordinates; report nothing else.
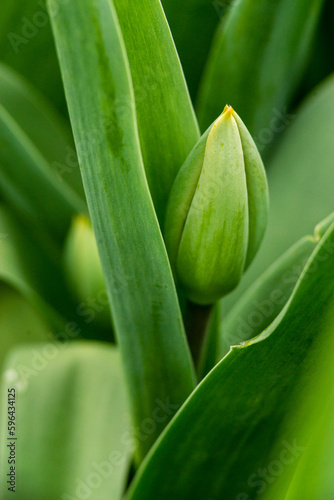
(83, 269)
(217, 211)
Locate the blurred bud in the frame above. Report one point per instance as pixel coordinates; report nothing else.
(83, 269)
(217, 211)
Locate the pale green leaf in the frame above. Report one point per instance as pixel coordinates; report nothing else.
(72, 422)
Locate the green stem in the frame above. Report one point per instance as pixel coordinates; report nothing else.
(196, 323)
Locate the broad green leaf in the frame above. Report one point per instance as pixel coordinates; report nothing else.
(301, 180)
(26, 44)
(22, 166)
(72, 424)
(311, 476)
(256, 60)
(141, 290)
(167, 124)
(42, 124)
(193, 24)
(228, 427)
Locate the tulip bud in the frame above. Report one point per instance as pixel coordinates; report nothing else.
(217, 211)
(83, 269)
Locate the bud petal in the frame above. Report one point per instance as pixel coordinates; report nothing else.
(83, 268)
(217, 211)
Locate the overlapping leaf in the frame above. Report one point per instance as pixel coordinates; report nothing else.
(143, 300)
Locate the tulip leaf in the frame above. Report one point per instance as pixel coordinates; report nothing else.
(141, 290)
(228, 427)
(42, 124)
(249, 66)
(78, 390)
(166, 121)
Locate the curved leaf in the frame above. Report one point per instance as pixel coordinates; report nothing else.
(226, 430)
(142, 295)
(266, 297)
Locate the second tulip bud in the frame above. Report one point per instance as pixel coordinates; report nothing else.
(217, 211)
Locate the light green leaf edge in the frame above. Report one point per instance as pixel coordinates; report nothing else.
(266, 297)
(141, 290)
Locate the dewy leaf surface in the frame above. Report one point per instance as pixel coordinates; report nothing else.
(227, 428)
(166, 121)
(142, 295)
(65, 395)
